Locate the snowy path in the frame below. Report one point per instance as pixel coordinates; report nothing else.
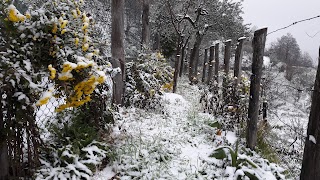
(173, 145)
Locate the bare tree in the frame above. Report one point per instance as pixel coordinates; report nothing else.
(117, 49)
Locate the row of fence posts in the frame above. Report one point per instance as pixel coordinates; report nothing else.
(211, 65)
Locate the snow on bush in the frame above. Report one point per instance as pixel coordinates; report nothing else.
(146, 80)
(50, 52)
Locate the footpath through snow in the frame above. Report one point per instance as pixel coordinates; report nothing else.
(175, 144)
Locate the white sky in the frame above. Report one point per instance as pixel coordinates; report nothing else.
(275, 14)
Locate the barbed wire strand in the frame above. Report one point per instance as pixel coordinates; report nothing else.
(294, 23)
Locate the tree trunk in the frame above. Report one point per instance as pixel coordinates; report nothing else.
(259, 41)
(183, 51)
(210, 72)
(145, 24)
(194, 57)
(117, 49)
(157, 42)
(311, 157)
(216, 63)
(204, 70)
(177, 64)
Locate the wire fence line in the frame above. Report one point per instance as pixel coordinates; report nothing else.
(294, 23)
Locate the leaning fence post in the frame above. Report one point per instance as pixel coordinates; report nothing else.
(204, 65)
(259, 41)
(216, 64)
(211, 56)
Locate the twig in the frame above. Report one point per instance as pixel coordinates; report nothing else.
(313, 35)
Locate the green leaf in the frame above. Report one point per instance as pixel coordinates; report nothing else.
(219, 154)
(251, 176)
(215, 125)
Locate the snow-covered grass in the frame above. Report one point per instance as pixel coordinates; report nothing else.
(176, 144)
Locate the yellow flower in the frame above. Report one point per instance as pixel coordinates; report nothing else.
(55, 28)
(74, 14)
(14, 15)
(78, 11)
(101, 79)
(85, 26)
(85, 19)
(53, 71)
(96, 52)
(85, 47)
(28, 15)
(85, 39)
(76, 41)
(45, 97)
(152, 92)
(64, 24)
(63, 31)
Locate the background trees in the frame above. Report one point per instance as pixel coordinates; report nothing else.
(287, 50)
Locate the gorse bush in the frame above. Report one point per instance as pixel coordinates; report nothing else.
(55, 40)
(146, 80)
(49, 54)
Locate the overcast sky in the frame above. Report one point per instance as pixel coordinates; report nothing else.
(275, 14)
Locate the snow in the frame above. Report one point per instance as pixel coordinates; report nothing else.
(312, 139)
(266, 62)
(242, 38)
(262, 27)
(175, 144)
(107, 173)
(231, 137)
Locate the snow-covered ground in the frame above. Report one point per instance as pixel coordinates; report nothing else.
(175, 144)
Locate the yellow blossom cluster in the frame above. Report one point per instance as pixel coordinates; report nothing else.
(78, 77)
(168, 86)
(53, 71)
(68, 67)
(14, 15)
(82, 92)
(45, 97)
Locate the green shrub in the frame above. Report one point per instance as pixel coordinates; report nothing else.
(146, 80)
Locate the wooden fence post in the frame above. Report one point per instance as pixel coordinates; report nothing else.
(238, 61)
(216, 64)
(227, 55)
(204, 65)
(211, 56)
(259, 41)
(311, 156)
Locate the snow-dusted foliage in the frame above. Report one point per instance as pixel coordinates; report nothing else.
(146, 80)
(227, 102)
(50, 54)
(73, 151)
